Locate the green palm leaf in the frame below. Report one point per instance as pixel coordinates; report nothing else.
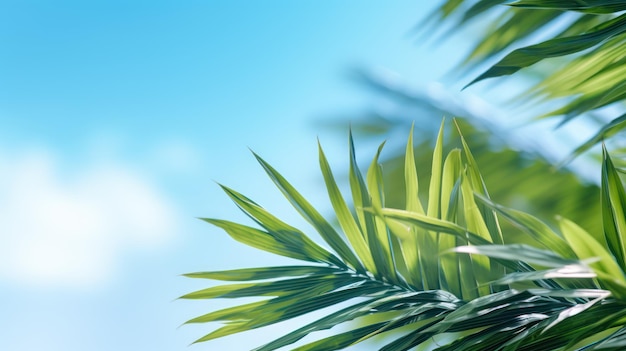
(530, 55)
(440, 277)
(583, 62)
(606, 6)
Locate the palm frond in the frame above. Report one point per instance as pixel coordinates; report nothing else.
(584, 46)
(446, 276)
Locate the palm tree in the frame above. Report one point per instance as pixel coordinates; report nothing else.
(441, 272)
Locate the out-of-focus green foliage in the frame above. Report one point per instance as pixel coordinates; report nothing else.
(583, 41)
(540, 187)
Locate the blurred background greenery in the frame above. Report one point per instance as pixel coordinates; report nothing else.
(568, 62)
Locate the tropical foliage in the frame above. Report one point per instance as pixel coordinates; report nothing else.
(579, 46)
(507, 162)
(435, 275)
(446, 266)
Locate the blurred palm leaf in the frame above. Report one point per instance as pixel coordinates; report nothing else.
(507, 162)
(396, 273)
(583, 41)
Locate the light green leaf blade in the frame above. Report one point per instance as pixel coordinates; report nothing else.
(482, 267)
(608, 271)
(434, 189)
(344, 216)
(450, 176)
(409, 238)
(289, 245)
(411, 178)
(433, 224)
(360, 195)
(450, 274)
(281, 230)
(362, 200)
(539, 231)
(326, 231)
(383, 255)
(478, 186)
(236, 313)
(428, 242)
(407, 247)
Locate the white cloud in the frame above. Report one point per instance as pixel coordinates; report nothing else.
(65, 229)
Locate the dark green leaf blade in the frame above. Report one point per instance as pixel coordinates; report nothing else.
(613, 215)
(262, 273)
(530, 55)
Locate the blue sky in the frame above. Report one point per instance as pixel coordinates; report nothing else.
(118, 117)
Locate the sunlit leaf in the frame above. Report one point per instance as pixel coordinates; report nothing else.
(312, 215)
(345, 218)
(441, 299)
(585, 246)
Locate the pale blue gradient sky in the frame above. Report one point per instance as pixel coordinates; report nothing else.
(116, 118)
